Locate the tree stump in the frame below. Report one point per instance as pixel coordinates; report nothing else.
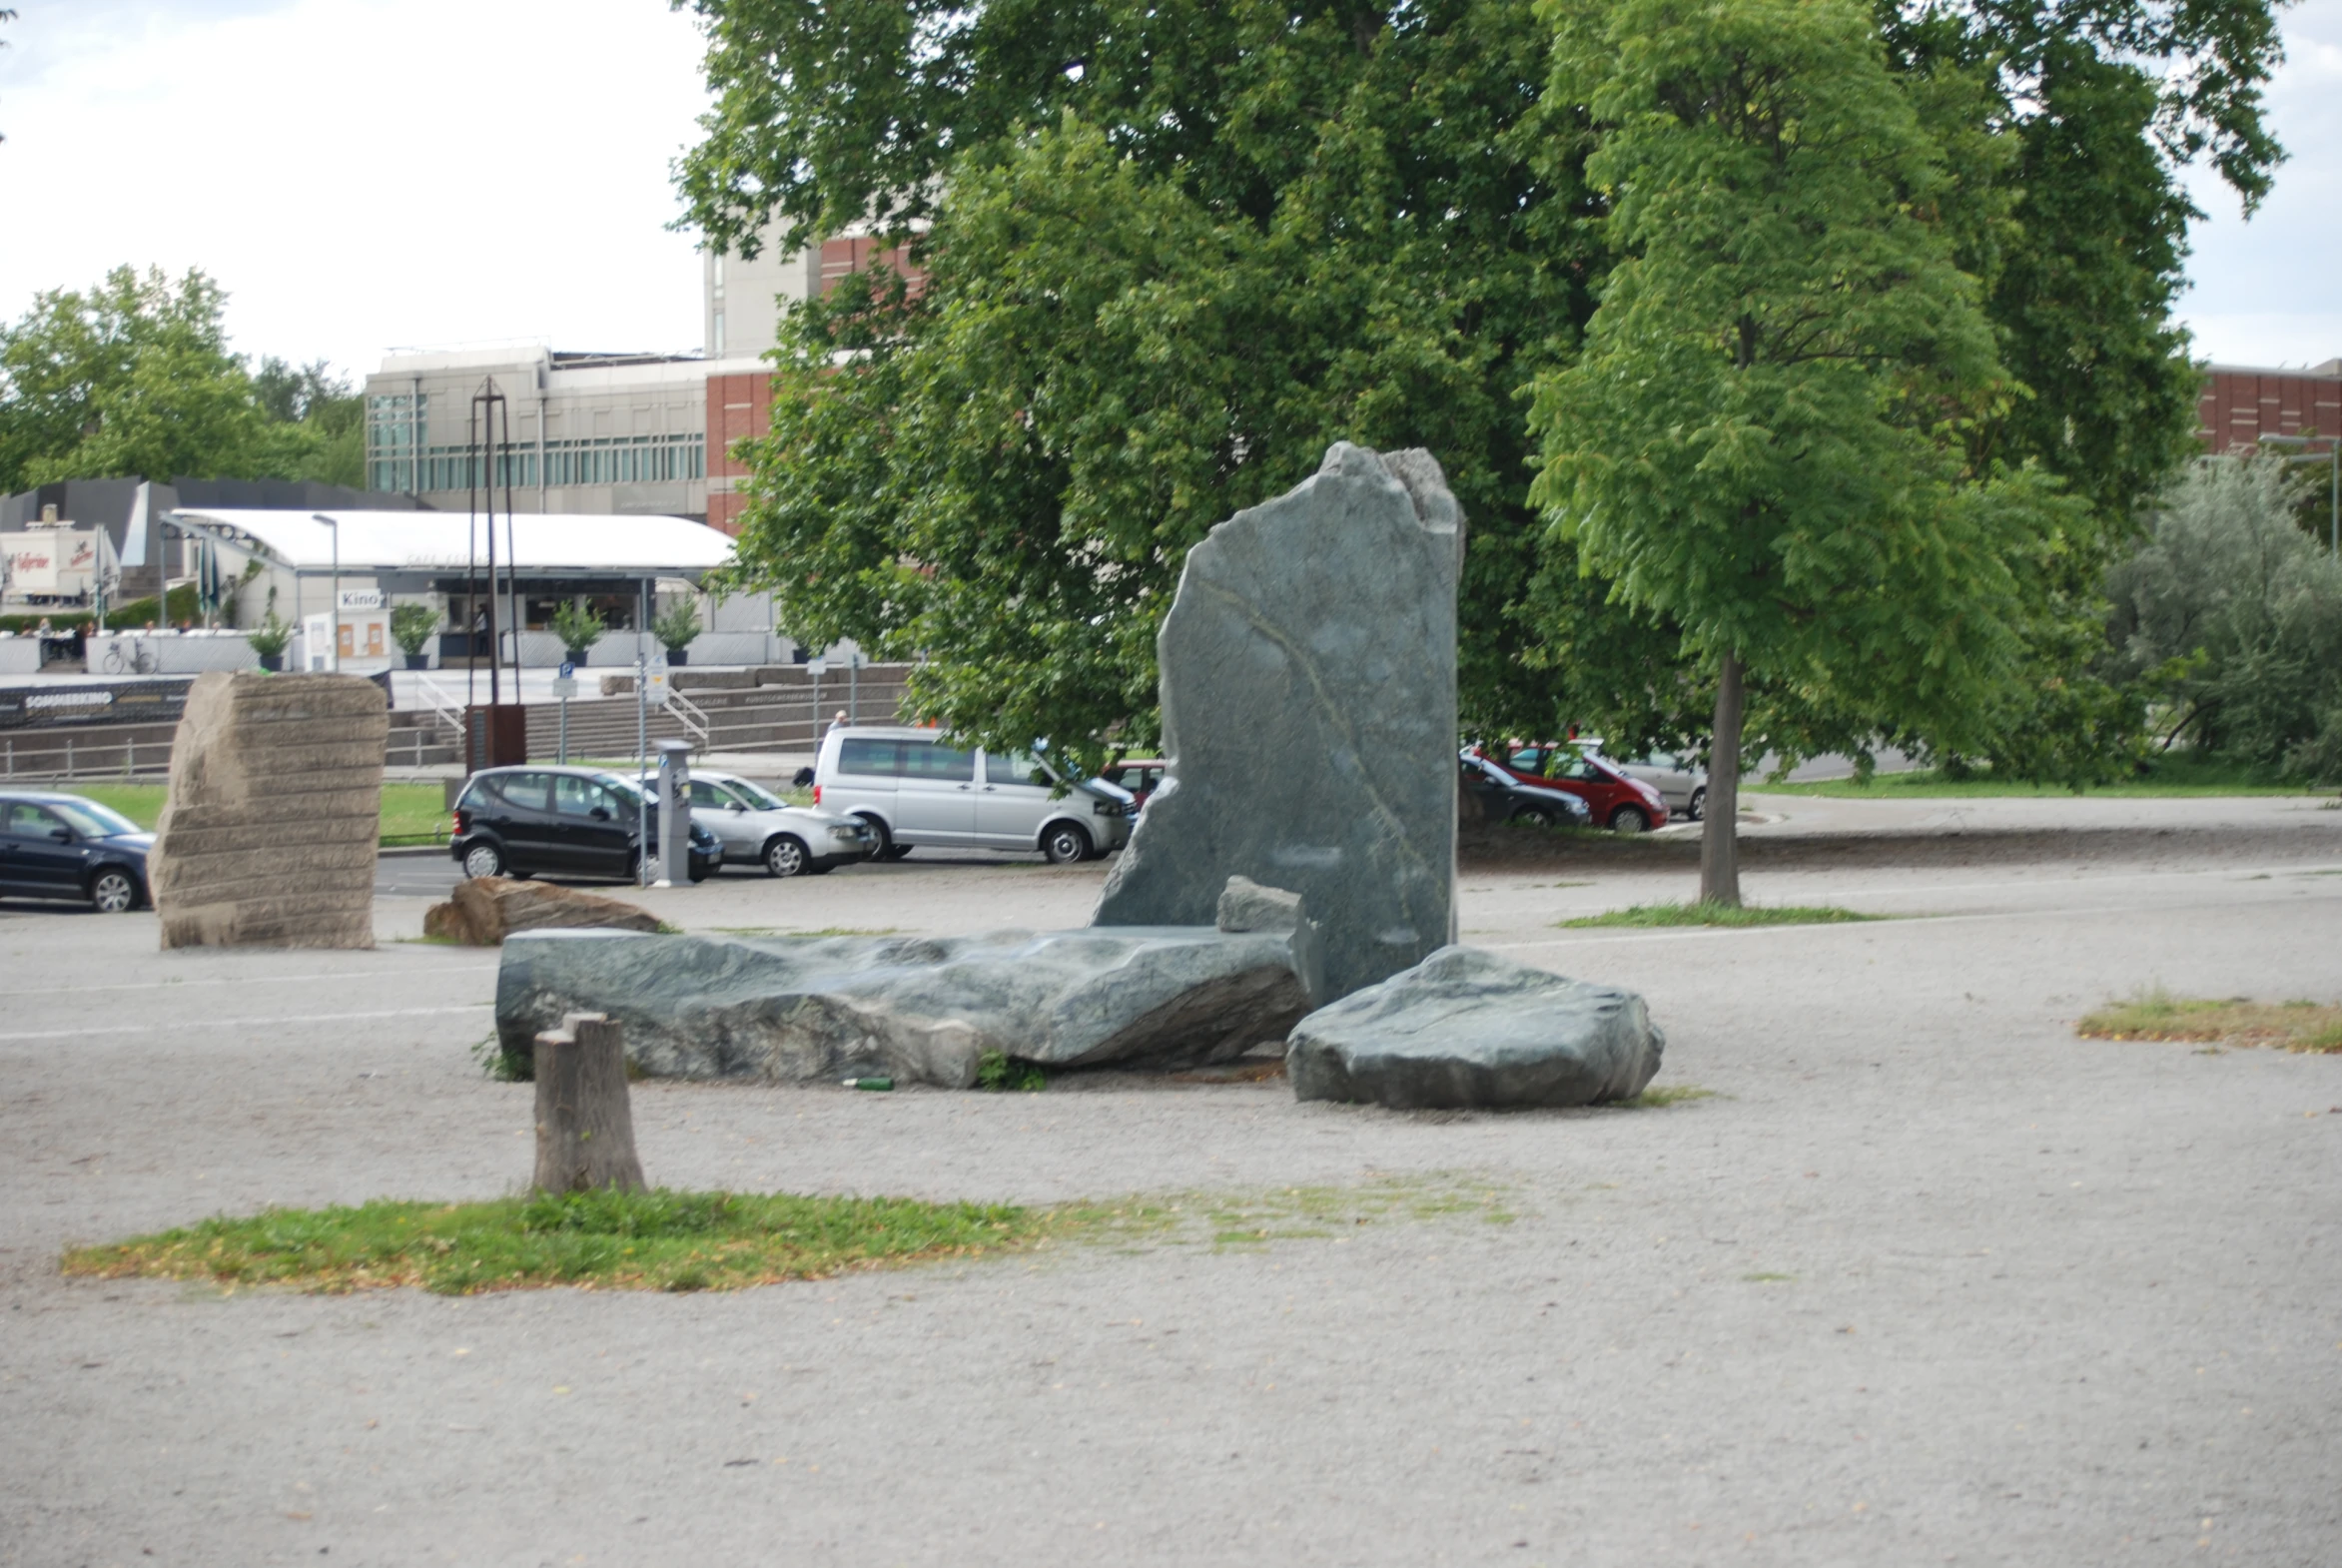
(584, 1118)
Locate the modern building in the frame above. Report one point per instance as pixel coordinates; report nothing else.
(2243, 402)
(336, 575)
(615, 434)
(608, 433)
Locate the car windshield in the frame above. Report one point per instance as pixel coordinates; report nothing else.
(93, 820)
(755, 794)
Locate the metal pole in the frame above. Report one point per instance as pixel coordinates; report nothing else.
(320, 517)
(641, 730)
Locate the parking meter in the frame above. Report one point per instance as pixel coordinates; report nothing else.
(674, 799)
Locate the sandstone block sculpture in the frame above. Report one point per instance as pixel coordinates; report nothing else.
(919, 1009)
(1468, 1028)
(482, 912)
(1309, 715)
(274, 813)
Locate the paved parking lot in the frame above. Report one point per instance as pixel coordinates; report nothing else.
(1927, 1280)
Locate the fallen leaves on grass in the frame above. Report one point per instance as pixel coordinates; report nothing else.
(2300, 1026)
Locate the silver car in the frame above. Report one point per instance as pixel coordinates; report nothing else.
(914, 790)
(1680, 780)
(758, 828)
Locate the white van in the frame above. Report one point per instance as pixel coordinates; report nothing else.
(915, 790)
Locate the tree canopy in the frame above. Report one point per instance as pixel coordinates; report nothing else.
(135, 377)
(1174, 248)
(1762, 440)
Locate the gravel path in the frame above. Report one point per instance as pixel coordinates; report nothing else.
(1929, 1280)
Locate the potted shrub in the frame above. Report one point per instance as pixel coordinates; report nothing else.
(270, 639)
(675, 626)
(579, 625)
(411, 626)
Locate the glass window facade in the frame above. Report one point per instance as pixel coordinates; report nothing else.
(395, 465)
(394, 431)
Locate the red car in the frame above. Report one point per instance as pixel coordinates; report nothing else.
(1620, 803)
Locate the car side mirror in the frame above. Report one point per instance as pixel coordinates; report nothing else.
(736, 806)
(600, 813)
(62, 835)
(804, 778)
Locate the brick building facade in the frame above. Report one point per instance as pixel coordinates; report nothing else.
(2241, 404)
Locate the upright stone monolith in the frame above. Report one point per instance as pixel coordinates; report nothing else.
(1310, 719)
(275, 815)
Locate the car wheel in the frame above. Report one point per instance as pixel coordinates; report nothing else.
(1630, 819)
(112, 892)
(483, 860)
(1065, 843)
(1697, 806)
(1534, 816)
(887, 849)
(784, 857)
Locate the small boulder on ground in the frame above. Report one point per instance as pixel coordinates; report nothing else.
(1469, 1029)
(487, 910)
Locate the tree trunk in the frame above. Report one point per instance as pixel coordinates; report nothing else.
(1720, 833)
(584, 1120)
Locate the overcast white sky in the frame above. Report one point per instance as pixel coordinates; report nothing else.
(370, 174)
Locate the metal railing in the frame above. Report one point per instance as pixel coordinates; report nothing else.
(117, 759)
(690, 714)
(444, 708)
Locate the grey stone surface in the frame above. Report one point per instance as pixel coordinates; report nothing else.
(270, 832)
(1308, 707)
(1467, 1028)
(921, 1009)
(1244, 905)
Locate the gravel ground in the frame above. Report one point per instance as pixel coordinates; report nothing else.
(1927, 1281)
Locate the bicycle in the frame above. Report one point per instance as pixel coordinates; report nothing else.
(139, 662)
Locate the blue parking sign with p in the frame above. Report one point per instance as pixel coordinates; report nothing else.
(568, 670)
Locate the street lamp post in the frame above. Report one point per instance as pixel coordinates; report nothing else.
(2333, 481)
(336, 641)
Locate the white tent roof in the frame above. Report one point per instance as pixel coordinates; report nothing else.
(547, 544)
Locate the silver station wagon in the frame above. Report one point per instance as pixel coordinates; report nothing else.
(758, 828)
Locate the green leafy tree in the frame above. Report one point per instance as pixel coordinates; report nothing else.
(135, 377)
(2239, 611)
(315, 425)
(1392, 237)
(1185, 247)
(1762, 438)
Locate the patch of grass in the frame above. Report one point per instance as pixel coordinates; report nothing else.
(655, 1241)
(1301, 1212)
(997, 1071)
(2301, 1026)
(494, 1060)
(676, 1240)
(412, 813)
(1720, 915)
(2171, 773)
(1659, 1096)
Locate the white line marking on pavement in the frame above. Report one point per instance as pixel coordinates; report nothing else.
(249, 980)
(242, 1023)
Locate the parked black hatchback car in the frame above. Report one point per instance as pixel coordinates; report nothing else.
(1506, 798)
(64, 847)
(529, 821)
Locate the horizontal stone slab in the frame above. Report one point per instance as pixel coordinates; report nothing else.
(920, 1009)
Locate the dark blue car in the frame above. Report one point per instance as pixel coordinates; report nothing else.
(64, 847)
